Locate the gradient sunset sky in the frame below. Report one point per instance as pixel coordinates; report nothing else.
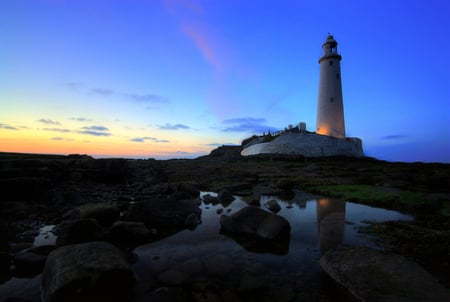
(176, 78)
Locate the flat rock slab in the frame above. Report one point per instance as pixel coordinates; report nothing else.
(371, 275)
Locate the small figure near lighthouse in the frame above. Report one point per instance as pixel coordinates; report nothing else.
(330, 108)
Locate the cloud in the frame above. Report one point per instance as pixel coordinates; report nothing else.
(74, 85)
(48, 121)
(153, 139)
(248, 124)
(94, 133)
(95, 128)
(61, 139)
(219, 144)
(57, 130)
(7, 127)
(146, 98)
(169, 126)
(81, 119)
(103, 91)
(394, 137)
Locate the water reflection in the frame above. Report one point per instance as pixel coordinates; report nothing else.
(330, 223)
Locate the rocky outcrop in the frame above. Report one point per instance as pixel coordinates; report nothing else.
(307, 144)
(164, 213)
(95, 271)
(370, 275)
(253, 220)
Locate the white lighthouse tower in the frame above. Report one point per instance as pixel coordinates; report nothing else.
(330, 108)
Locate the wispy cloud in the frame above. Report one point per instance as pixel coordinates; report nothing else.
(48, 121)
(74, 85)
(95, 128)
(57, 130)
(61, 139)
(169, 126)
(248, 124)
(147, 138)
(394, 137)
(7, 127)
(94, 133)
(146, 98)
(219, 144)
(81, 119)
(102, 91)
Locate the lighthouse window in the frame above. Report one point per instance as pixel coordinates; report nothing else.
(331, 100)
(331, 63)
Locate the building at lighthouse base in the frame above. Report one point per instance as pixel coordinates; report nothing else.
(303, 143)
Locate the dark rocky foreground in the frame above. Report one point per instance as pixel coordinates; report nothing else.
(103, 208)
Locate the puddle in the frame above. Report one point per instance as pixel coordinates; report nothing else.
(45, 236)
(193, 256)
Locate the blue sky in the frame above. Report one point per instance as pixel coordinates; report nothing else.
(175, 78)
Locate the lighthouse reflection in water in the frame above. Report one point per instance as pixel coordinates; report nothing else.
(330, 223)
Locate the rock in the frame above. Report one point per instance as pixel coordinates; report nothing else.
(17, 247)
(251, 282)
(28, 264)
(285, 184)
(208, 199)
(162, 189)
(190, 188)
(94, 271)
(370, 275)
(163, 213)
(273, 206)
(165, 294)
(219, 211)
(42, 250)
(105, 214)
(253, 220)
(26, 189)
(218, 265)
(173, 277)
(191, 267)
(129, 234)
(225, 197)
(78, 231)
(191, 221)
(5, 270)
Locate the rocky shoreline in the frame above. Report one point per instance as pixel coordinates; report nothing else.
(114, 205)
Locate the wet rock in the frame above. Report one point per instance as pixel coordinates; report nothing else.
(191, 267)
(173, 277)
(166, 214)
(191, 221)
(285, 184)
(17, 247)
(253, 220)
(273, 206)
(209, 295)
(94, 271)
(208, 199)
(190, 188)
(42, 250)
(78, 231)
(129, 234)
(251, 282)
(165, 294)
(219, 211)
(28, 264)
(105, 214)
(225, 197)
(218, 265)
(5, 263)
(370, 275)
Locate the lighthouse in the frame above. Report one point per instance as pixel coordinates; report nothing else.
(330, 108)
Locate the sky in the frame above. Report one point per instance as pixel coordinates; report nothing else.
(177, 78)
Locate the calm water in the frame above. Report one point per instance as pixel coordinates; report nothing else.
(211, 263)
(204, 255)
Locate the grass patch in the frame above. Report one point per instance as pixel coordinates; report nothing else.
(374, 195)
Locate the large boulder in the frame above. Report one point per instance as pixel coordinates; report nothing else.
(273, 206)
(130, 234)
(253, 220)
(105, 214)
(164, 213)
(95, 271)
(78, 231)
(371, 275)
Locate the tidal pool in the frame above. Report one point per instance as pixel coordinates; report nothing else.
(211, 263)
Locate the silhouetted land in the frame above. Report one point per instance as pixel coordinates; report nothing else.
(41, 189)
